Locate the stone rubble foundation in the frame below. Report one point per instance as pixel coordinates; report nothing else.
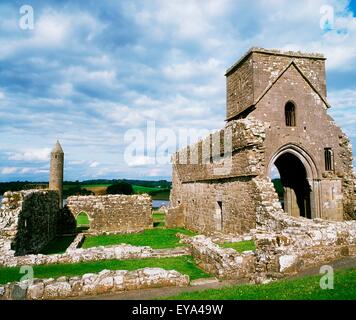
(119, 252)
(105, 282)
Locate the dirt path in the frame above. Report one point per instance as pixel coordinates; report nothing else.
(149, 294)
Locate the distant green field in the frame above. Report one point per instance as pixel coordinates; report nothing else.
(95, 185)
(85, 186)
(99, 189)
(156, 193)
(141, 189)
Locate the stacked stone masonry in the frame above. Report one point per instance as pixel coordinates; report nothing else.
(105, 282)
(78, 255)
(114, 213)
(28, 221)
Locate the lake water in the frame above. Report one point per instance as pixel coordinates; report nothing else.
(159, 203)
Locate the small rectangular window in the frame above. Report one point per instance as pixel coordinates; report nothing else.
(329, 159)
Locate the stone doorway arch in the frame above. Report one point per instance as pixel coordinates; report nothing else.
(299, 177)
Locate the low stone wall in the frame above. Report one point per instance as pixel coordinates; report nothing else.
(114, 213)
(221, 262)
(277, 256)
(106, 282)
(119, 252)
(28, 221)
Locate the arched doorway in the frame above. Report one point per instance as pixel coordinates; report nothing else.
(83, 222)
(296, 186)
(296, 174)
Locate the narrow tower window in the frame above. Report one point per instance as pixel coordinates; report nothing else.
(329, 159)
(290, 114)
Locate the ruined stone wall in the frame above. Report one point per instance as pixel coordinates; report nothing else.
(28, 221)
(222, 263)
(219, 206)
(105, 282)
(114, 213)
(74, 254)
(215, 202)
(240, 142)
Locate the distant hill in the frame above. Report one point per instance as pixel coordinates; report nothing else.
(164, 184)
(159, 190)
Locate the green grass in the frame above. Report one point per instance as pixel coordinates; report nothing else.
(184, 265)
(158, 216)
(240, 246)
(142, 189)
(159, 220)
(307, 288)
(155, 238)
(58, 245)
(82, 219)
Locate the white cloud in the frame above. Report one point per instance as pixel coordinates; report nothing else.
(40, 155)
(190, 69)
(8, 170)
(94, 164)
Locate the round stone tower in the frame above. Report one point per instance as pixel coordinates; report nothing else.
(56, 171)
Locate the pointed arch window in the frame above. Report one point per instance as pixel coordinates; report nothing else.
(329, 159)
(290, 114)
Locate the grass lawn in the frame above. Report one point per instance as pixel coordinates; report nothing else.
(307, 288)
(159, 220)
(184, 265)
(58, 245)
(156, 238)
(240, 246)
(82, 219)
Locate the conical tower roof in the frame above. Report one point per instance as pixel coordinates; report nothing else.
(57, 148)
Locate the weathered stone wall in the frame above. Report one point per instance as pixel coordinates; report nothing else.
(221, 262)
(105, 282)
(249, 77)
(78, 255)
(314, 131)
(28, 221)
(175, 217)
(114, 213)
(239, 83)
(214, 202)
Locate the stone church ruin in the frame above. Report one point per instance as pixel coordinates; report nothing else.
(276, 116)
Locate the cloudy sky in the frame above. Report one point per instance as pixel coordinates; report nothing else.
(94, 74)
